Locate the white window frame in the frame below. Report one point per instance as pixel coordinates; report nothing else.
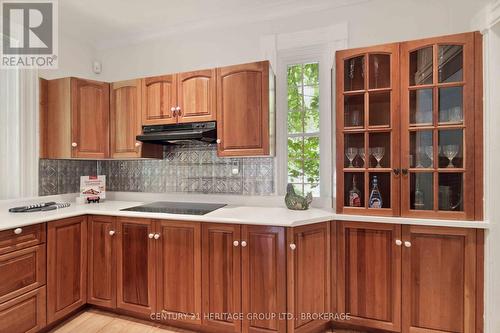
(301, 47)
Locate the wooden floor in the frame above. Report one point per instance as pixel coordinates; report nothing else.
(96, 321)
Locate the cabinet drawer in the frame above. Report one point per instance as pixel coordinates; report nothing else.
(24, 314)
(29, 236)
(21, 271)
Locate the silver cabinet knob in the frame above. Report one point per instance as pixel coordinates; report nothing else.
(407, 244)
(236, 243)
(178, 108)
(111, 232)
(172, 109)
(74, 144)
(293, 246)
(399, 242)
(18, 231)
(243, 243)
(137, 144)
(218, 140)
(151, 236)
(156, 236)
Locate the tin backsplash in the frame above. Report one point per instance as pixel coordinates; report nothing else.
(194, 169)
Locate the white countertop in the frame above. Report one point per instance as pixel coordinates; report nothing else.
(232, 213)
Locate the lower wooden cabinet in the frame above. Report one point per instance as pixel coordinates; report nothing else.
(178, 270)
(369, 274)
(439, 279)
(136, 280)
(309, 276)
(66, 266)
(24, 314)
(101, 261)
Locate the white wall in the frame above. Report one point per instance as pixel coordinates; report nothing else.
(373, 22)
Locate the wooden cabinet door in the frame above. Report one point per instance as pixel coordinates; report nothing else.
(308, 266)
(243, 109)
(263, 278)
(196, 96)
(159, 96)
(89, 119)
(221, 281)
(24, 314)
(439, 279)
(135, 266)
(126, 119)
(369, 274)
(66, 266)
(102, 261)
(179, 270)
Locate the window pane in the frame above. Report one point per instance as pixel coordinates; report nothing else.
(421, 66)
(311, 74)
(311, 160)
(311, 121)
(295, 160)
(295, 75)
(450, 63)
(295, 98)
(311, 97)
(295, 122)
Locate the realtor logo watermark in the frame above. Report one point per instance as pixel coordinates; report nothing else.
(29, 34)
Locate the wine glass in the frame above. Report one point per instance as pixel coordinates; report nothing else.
(351, 155)
(430, 153)
(419, 154)
(450, 151)
(378, 154)
(361, 153)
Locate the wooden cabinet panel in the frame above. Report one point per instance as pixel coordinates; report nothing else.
(102, 261)
(159, 95)
(308, 266)
(263, 278)
(89, 118)
(125, 118)
(43, 103)
(179, 270)
(24, 314)
(136, 281)
(243, 109)
(439, 279)
(22, 271)
(221, 281)
(66, 266)
(369, 274)
(57, 130)
(30, 235)
(196, 96)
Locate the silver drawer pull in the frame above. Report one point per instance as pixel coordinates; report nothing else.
(18, 231)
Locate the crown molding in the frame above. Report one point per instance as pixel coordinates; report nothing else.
(494, 13)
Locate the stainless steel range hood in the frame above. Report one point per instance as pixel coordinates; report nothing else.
(205, 132)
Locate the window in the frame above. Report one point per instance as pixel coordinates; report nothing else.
(303, 124)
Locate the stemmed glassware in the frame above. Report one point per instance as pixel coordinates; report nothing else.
(430, 154)
(419, 154)
(361, 153)
(351, 155)
(450, 151)
(378, 154)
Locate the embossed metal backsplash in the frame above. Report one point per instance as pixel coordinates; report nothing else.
(194, 169)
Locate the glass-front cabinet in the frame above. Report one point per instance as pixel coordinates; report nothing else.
(409, 124)
(368, 130)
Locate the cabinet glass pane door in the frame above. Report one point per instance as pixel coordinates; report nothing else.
(435, 160)
(367, 100)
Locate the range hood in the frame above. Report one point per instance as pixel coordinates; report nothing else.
(204, 132)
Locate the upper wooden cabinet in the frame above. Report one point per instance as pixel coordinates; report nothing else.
(179, 98)
(409, 119)
(75, 122)
(245, 109)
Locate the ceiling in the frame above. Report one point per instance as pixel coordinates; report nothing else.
(111, 23)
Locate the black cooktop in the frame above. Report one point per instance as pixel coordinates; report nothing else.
(188, 208)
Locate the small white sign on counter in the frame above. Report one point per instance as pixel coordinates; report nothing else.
(93, 188)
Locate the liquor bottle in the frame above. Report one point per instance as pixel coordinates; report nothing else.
(419, 197)
(354, 195)
(375, 196)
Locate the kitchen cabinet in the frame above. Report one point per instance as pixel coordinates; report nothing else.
(263, 276)
(409, 119)
(21, 238)
(66, 266)
(24, 314)
(309, 276)
(178, 268)
(439, 279)
(369, 274)
(135, 266)
(102, 261)
(245, 110)
(159, 97)
(76, 120)
(221, 281)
